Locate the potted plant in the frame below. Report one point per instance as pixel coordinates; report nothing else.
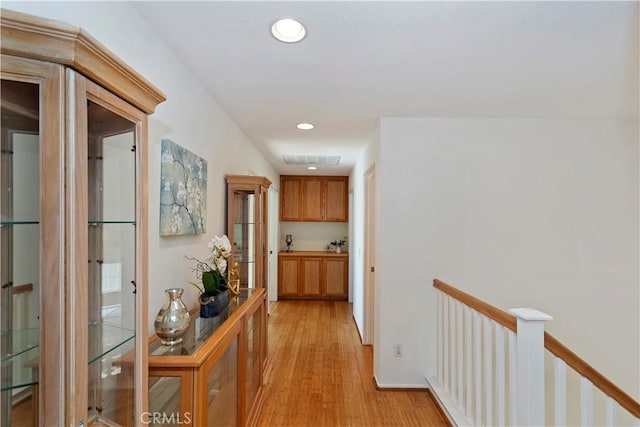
(214, 296)
(339, 244)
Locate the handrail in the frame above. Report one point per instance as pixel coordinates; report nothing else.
(505, 319)
(590, 373)
(550, 343)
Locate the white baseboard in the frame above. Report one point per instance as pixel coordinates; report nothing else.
(401, 386)
(455, 415)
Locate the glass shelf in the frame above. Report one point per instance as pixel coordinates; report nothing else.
(27, 361)
(26, 351)
(244, 223)
(243, 259)
(110, 337)
(21, 360)
(21, 341)
(200, 329)
(111, 222)
(7, 222)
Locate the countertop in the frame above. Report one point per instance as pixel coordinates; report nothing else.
(314, 253)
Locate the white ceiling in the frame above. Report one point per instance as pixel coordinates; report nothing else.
(362, 61)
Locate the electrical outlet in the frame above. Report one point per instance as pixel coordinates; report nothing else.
(397, 350)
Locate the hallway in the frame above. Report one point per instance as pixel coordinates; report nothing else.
(323, 376)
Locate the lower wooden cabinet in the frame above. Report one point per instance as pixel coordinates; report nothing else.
(311, 275)
(311, 281)
(215, 377)
(288, 273)
(336, 277)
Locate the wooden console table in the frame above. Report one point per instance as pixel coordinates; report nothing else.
(215, 376)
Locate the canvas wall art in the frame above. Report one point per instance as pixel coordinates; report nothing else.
(183, 191)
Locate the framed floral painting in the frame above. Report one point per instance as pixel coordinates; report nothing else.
(183, 191)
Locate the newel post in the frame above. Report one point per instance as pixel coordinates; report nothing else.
(530, 367)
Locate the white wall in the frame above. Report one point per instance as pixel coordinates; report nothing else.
(312, 236)
(190, 117)
(518, 212)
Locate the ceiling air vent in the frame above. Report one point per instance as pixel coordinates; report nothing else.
(311, 160)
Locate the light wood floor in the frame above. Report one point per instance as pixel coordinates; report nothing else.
(323, 376)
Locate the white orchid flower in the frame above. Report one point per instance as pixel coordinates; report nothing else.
(221, 264)
(220, 245)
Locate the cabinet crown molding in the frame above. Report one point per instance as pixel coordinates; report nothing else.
(249, 180)
(43, 39)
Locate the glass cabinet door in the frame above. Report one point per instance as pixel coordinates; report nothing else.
(165, 402)
(222, 389)
(243, 235)
(246, 226)
(111, 234)
(20, 251)
(253, 374)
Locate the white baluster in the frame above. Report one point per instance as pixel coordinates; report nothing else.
(586, 402)
(611, 413)
(530, 339)
(440, 365)
(453, 332)
(468, 352)
(446, 333)
(460, 352)
(560, 392)
(513, 378)
(477, 357)
(488, 373)
(500, 378)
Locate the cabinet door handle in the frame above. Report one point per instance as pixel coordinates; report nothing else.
(373, 269)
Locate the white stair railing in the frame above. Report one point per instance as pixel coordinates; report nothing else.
(598, 402)
(491, 370)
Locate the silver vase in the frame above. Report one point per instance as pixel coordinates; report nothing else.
(173, 318)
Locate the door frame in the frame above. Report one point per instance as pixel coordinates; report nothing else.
(369, 253)
(274, 214)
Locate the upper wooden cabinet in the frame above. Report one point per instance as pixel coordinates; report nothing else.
(314, 198)
(336, 199)
(73, 196)
(290, 198)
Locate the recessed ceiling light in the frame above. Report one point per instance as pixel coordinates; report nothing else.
(305, 126)
(312, 168)
(288, 30)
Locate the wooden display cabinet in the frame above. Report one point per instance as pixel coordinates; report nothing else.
(73, 226)
(216, 375)
(314, 199)
(247, 227)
